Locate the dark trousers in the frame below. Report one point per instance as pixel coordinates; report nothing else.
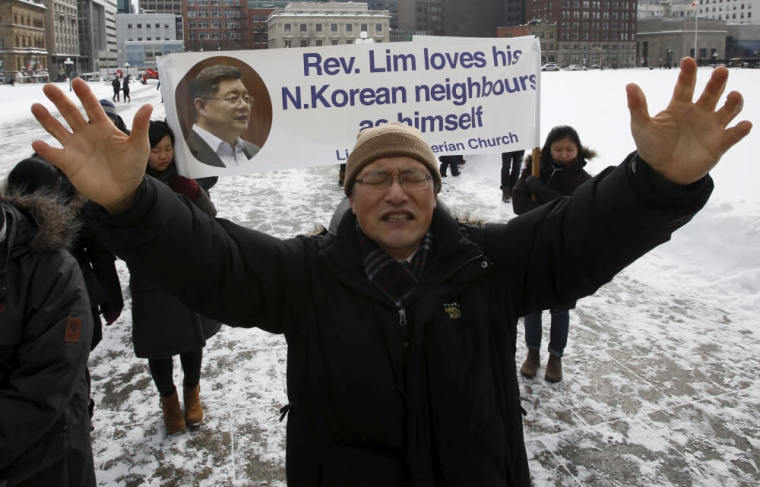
(557, 336)
(452, 162)
(162, 370)
(510, 167)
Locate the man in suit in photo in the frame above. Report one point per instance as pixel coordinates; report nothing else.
(223, 109)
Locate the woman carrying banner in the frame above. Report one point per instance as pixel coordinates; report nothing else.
(561, 171)
(162, 326)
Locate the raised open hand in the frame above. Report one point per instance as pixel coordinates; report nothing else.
(102, 162)
(686, 140)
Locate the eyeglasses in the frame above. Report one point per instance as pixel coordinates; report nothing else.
(234, 99)
(382, 180)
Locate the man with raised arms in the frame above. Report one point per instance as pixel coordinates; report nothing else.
(401, 325)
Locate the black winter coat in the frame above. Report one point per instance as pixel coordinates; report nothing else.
(162, 326)
(45, 333)
(556, 181)
(99, 271)
(426, 396)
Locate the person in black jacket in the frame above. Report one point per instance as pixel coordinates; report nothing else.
(34, 174)
(45, 333)
(561, 172)
(401, 327)
(125, 89)
(162, 326)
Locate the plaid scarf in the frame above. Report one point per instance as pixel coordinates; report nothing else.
(397, 280)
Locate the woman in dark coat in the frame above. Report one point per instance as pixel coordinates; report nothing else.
(162, 326)
(561, 171)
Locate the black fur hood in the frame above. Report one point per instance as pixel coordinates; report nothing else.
(50, 224)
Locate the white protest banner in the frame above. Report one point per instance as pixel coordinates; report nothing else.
(307, 104)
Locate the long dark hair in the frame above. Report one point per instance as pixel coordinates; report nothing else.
(558, 133)
(157, 130)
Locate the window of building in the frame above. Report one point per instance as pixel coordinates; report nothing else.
(286, 27)
(334, 42)
(139, 26)
(333, 27)
(318, 27)
(129, 26)
(287, 43)
(378, 27)
(364, 27)
(303, 27)
(349, 27)
(318, 42)
(304, 42)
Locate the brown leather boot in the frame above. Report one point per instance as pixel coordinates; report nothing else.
(553, 368)
(193, 408)
(530, 366)
(173, 419)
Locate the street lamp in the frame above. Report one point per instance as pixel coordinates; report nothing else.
(364, 38)
(68, 63)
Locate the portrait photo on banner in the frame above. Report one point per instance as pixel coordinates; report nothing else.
(224, 111)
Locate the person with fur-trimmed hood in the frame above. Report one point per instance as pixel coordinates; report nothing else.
(45, 334)
(561, 164)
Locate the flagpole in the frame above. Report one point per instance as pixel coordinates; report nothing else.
(696, 30)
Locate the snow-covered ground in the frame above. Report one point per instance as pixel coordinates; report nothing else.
(661, 372)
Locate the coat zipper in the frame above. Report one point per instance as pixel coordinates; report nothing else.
(404, 335)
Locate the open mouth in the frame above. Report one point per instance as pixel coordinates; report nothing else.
(397, 217)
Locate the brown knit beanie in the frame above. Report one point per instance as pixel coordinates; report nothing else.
(390, 139)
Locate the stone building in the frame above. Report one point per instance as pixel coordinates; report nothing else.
(97, 35)
(258, 34)
(23, 44)
(590, 32)
(161, 6)
(545, 31)
(62, 36)
(215, 24)
(302, 24)
(142, 37)
(731, 11)
(663, 41)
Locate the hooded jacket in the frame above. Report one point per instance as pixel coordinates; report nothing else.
(556, 180)
(45, 334)
(422, 396)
